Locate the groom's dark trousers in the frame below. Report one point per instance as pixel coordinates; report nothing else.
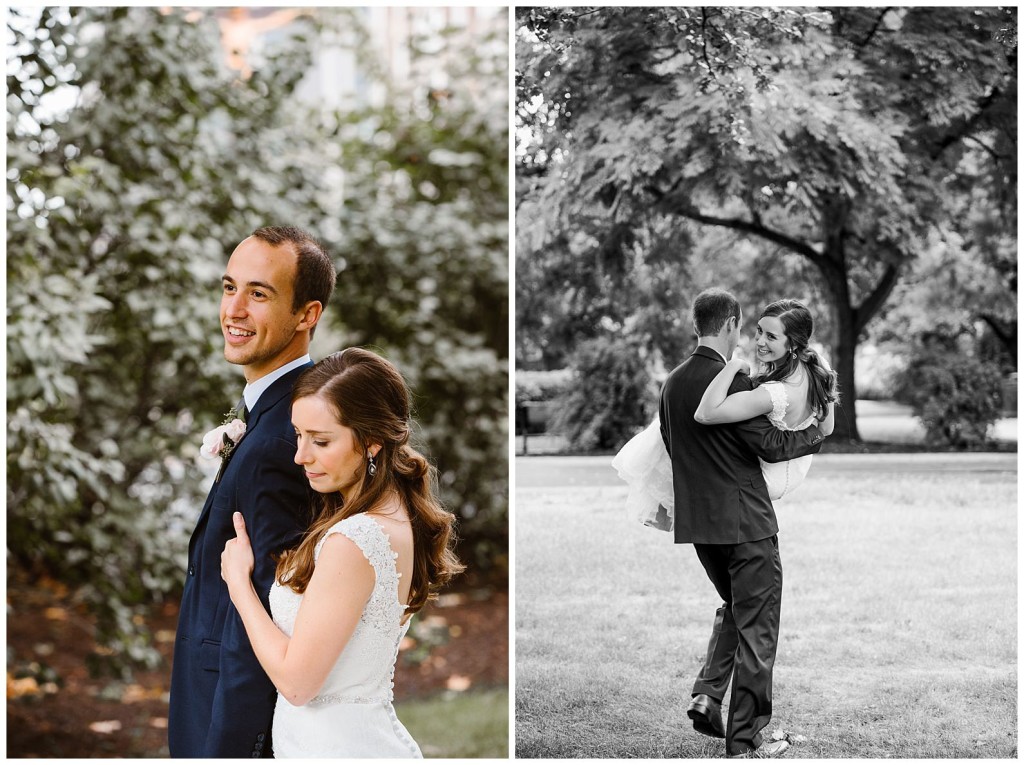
(722, 508)
(222, 702)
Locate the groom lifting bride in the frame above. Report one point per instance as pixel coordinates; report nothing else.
(722, 508)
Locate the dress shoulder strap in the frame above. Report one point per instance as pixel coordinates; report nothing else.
(780, 400)
(371, 539)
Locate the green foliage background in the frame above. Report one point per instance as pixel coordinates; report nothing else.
(122, 210)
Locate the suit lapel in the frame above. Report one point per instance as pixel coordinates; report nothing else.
(271, 396)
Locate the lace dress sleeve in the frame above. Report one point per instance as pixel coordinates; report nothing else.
(780, 403)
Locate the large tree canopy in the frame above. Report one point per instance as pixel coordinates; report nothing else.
(845, 136)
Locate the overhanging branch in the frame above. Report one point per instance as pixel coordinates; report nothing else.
(968, 125)
(1006, 336)
(757, 229)
(874, 29)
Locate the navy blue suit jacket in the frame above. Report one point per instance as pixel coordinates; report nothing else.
(222, 701)
(720, 493)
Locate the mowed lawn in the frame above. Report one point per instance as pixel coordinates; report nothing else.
(459, 725)
(899, 622)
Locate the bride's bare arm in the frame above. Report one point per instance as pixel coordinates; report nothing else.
(717, 406)
(337, 592)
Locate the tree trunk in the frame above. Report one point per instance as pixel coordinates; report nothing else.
(851, 319)
(833, 267)
(846, 348)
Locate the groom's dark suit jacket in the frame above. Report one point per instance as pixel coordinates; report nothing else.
(720, 493)
(222, 702)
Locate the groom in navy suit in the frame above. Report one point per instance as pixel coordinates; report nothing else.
(722, 508)
(275, 287)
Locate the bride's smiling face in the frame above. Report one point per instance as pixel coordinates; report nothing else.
(327, 450)
(770, 339)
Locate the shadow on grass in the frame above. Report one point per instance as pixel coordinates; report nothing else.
(458, 725)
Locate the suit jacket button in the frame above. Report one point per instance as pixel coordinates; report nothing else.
(260, 737)
(191, 570)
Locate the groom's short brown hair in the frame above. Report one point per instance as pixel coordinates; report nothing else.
(711, 309)
(315, 274)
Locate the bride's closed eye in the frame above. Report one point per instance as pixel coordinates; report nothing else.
(315, 441)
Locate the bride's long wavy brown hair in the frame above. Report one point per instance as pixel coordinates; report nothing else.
(369, 395)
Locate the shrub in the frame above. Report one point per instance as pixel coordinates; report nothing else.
(610, 397)
(956, 397)
(541, 385)
(878, 371)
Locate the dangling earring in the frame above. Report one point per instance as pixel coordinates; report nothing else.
(372, 468)
(792, 354)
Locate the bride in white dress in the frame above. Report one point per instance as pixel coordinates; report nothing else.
(795, 388)
(377, 551)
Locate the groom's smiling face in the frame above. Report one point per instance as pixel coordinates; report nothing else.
(259, 327)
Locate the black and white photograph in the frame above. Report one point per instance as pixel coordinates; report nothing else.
(765, 495)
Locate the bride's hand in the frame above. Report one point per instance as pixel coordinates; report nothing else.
(741, 364)
(237, 561)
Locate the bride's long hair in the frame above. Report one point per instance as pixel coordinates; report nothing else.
(369, 395)
(823, 387)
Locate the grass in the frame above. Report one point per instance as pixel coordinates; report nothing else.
(899, 622)
(459, 725)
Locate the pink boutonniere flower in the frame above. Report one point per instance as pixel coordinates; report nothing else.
(221, 440)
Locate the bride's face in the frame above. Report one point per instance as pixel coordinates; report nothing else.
(770, 339)
(327, 450)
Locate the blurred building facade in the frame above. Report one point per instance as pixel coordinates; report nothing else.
(337, 79)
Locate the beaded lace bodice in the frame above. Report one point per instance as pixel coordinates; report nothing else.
(364, 672)
(788, 404)
(781, 392)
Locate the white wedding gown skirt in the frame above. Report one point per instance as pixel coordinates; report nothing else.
(341, 729)
(352, 716)
(643, 463)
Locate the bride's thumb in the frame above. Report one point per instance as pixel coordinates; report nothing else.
(239, 525)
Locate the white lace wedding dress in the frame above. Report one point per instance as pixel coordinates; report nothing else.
(643, 463)
(353, 714)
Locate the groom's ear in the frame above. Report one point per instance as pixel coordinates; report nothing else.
(310, 315)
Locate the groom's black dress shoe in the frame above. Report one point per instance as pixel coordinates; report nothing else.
(706, 714)
(763, 752)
